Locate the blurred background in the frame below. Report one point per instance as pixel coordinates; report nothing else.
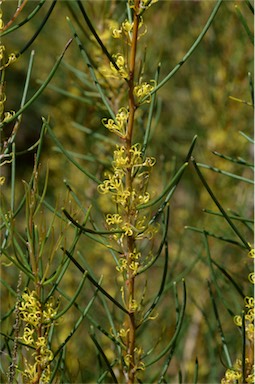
(196, 101)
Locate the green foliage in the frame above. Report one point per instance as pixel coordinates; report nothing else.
(112, 270)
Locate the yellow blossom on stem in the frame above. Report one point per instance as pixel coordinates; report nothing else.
(123, 332)
(251, 254)
(27, 337)
(123, 265)
(143, 90)
(120, 61)
(125, 30)
(118, 126)
(37, 318)
(251, 277)
(113, 219)
(128, 229)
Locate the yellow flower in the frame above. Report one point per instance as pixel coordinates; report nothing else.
(128, 229)
(1, 21)
(232, 374)
(123, 332)
(122, 72)
(133, 306)
(118, 126)
(123, 265)
(143, 199)
(30, 372)
(134, 265)
(251, 253)
(120, 160)
(27, 337)
(249, 302)
(116, 33)
(142, 90)
(251, 277)
(127, 359)
(238, 320)
(113, 219)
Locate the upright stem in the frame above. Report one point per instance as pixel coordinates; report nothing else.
(130, 213)
(132, 106)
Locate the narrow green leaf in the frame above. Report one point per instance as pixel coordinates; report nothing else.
(77, 324)
(94, 282)
(174, 181)
(161, 289)
(190, 51)
(40, 90)
(187, 159)
(166, 365)
(233, 217)
(230, 278)
(102, 354)
(177, 330)
(23, 100)
(239, 160)
(73, 299)
(195, 380)
(234, 228)
(158, 253)
(29, 17)
(83, 229)
(250, 6)
(30, 42)
(94, 134)
(92, 29)
(150, 115)
(56, 368)
(222, 336)
(214, 277)
(219, 237)
(251, 87)
(91, 69)
(244, 24)
(232, 175)
(73, 161)
(248, 138)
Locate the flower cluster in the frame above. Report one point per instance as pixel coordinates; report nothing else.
(139, 366)
(31, 310)
(143, 90)
(122, 70)
(249, 318)
(235, 375)
(127, 220)
(125, 30)
(43, 356)
(114, 184)
(119, 124)
(131, 262)
(9, 60)
(37, 319)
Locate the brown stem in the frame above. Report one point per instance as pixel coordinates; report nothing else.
(130, 212)
(16, 14)
(132, 106)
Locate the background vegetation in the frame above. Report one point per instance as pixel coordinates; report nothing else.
(211, 96)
